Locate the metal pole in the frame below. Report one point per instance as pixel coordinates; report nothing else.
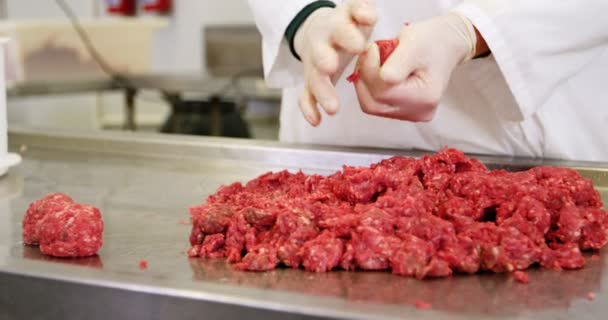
(3, 10)
(96, 9)
(216, 122)
(130, 109)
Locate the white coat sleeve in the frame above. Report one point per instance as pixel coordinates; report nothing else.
(539, 44)
(281, 69)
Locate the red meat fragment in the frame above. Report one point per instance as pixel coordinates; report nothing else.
(212, 246)
(143, 264)
(194, 251)
(37, 210)
(562, 256)
(521, 277)
(463, 255)
(353, 77)
(75, 231)
(260, 258)
(322, 253)
(514, 251)
(211, 219)
(373, 249)
(591, 296)
(429, 217)
(259, 217)
(569, 224)
(386, 48)
(421, 304)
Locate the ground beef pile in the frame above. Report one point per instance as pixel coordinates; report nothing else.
(62, 227)
(427, 217)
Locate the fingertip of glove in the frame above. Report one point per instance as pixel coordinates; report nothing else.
(331, 109)
(366, 19)
(389, 76)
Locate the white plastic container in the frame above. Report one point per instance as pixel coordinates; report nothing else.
(6, 159)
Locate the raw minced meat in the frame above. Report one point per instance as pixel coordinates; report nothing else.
(386, 48)
(427, 217)
(75, 231)
(37, 210)
(62, 227)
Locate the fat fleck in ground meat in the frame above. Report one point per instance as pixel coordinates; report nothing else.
(427, 217)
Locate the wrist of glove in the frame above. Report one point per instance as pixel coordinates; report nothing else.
(410, 84)
(299, 19)
(463, 27)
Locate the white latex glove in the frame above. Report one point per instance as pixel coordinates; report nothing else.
(412, 80)
(326, 42)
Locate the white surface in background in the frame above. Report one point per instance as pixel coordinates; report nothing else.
(31, 9)
(180, 47)
(6, 159)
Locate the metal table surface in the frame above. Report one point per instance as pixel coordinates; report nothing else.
(143, 184)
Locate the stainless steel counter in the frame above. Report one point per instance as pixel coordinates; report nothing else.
(144, 184)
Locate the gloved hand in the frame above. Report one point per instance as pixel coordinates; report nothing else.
(409, 85)
(326, 42)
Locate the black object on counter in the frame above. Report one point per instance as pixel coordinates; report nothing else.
(213, 117)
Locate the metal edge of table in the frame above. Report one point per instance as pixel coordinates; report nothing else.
(250, 87)
(54, 87)
(274, 152)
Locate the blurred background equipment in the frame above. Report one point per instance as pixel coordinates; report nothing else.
(232, 50)
(122, 7)
(206, 118)
(47, 50)
(188, 67)
(158, 6)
